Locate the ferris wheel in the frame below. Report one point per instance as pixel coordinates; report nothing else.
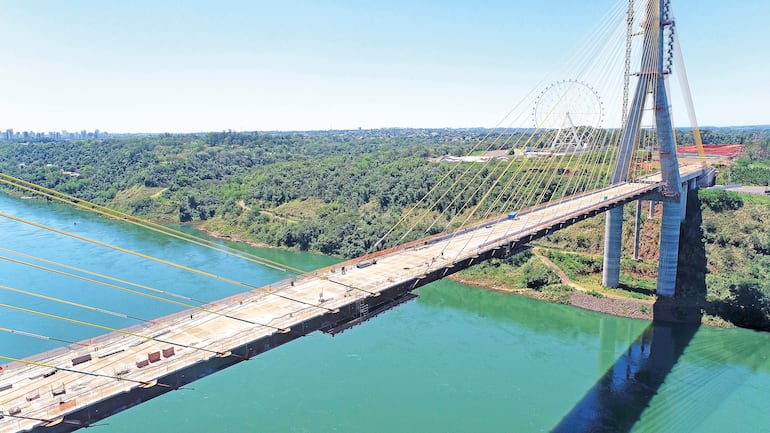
(568, 104)
(572, 110)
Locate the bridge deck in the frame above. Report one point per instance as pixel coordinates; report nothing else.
(204, 342)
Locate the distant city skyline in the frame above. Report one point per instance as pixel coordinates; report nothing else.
(9, 134)
(154, 67)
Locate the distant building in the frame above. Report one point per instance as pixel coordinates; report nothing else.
(10, 135)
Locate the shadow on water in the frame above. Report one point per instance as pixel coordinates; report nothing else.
(616, 402)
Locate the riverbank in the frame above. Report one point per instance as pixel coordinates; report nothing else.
(590, 300)
(568, 292)
(579, 297)
(232, 237)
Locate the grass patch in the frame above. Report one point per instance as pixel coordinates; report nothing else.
(220, 226)
(494, 273)
(638, 279)
(643, 286)
(137, 192)
(537, 275)
(299, 209)
(575, 265)
(756, 199)
(643, 270)
(624, 292)
(147, 201)
(557, 293)
(523, 270)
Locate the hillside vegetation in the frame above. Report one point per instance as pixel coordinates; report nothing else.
(338, 192)
(724, 259)
(327, 192)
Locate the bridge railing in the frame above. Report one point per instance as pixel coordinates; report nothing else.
(438, 237)
(540, 225)
(156, 327)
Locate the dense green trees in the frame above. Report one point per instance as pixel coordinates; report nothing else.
(358, 182)
(339, 192)
(753, 137)
(720, 200)
(336, 192)
(354, 186)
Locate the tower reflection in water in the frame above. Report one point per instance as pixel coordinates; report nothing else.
(618, 399)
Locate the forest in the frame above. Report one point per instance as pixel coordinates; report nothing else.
(334, 192)
(338, 192)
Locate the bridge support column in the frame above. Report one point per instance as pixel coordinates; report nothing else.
(669, 247)
(637, 228)
(683, 202)
(613, 234)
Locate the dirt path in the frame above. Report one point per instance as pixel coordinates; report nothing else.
(564, 278)
(606, 303)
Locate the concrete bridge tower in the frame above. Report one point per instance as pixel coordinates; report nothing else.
(652, 79)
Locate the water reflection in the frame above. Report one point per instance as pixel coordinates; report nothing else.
(617, 400)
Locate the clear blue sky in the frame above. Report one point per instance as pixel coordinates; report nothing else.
(175, 66)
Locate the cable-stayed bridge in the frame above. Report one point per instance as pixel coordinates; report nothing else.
(76, 386)
(83, 384)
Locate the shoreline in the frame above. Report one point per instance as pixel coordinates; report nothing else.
(622, 307)
(630, 308)
(232, 238)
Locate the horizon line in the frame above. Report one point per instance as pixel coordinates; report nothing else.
(384, 128)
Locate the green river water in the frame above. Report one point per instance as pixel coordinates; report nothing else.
(457, 359)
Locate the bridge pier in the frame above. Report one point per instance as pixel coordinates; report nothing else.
(683, 205)
(669, 239)
(613, 234)
(674, 214)
(637, 228)
(670, 225)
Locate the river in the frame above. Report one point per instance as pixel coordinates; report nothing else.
(457, 359)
